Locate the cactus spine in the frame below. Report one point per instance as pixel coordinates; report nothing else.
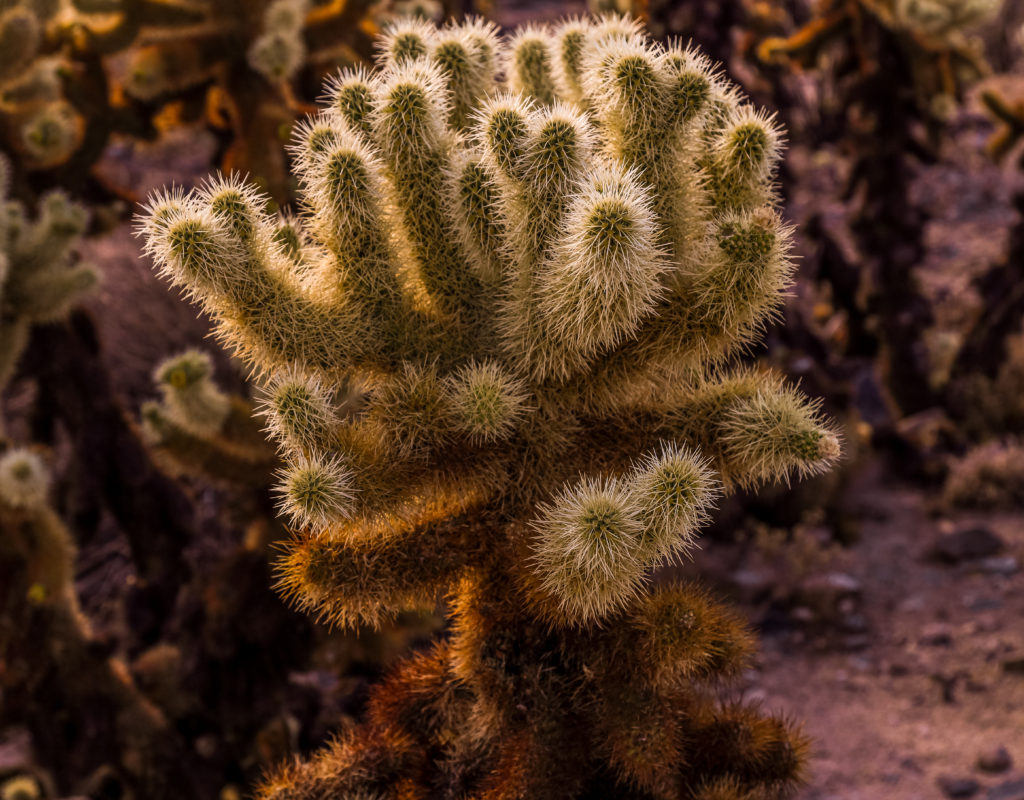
(501, 364)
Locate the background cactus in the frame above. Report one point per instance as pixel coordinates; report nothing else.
(36, 119)
(234, 65)
(199, 429)
(499, 365)
(55, 670)
(39, 277)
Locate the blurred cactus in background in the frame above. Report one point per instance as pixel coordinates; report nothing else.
(889, 76)
(501, 364)
(988, 476)
(933, 35)
(235, 65)
(76, 75)
(199, 429)
(37, 122)
(39, 276)
(55, 671)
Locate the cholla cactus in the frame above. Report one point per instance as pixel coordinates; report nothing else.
(200, 429)
(498, 359)
(36, 531)
(38, 123)
(943, 19)
(990, 475)
(39, 280)
(933, 36)
(240, 59)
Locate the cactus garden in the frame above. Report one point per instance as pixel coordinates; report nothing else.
(511, 401)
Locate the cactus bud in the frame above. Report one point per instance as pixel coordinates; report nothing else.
(24, 480)
(478, 218)
(744, 156)
(404, 41)
(289, 236)
(586, 549)
(481, 37)
(235, 204)
(558, 151)
(775, 433)
(675, 491)
(188, 246)
(50, 135)
(503, 121)
(299, 412)
(688, 85)
(604, 276)
(570, 42)
(351, 94)
(529, 70)
(411, 411)
(191, 399)
(277, 55)
(410, 113)
(315, 492)
(488, 403)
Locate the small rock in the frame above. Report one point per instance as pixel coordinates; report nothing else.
(751, 585)
(936, 634)
(995, 760)
(912, 765)
(982, 603)
(958, 787)
(1011, 790)
(999, 565)
(826, 594)
(967, 544)
(855, 642)
(854, 623)
(1014, 666)
(898, 670)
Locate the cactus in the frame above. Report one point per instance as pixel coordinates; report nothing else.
(53, 662)
(988, 476)
(198, 429)
(35, 117)
(934, 35)
(501, 363)
(39, 279)
(24, 502)
(236, 65)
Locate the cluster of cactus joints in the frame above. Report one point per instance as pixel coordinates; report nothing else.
(38, 122)
(199, 429)
(35, 531)
(39, 279)
(500, 357)
(239, 66)
(932, 33)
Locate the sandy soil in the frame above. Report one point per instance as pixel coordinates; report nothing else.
(935, 679)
